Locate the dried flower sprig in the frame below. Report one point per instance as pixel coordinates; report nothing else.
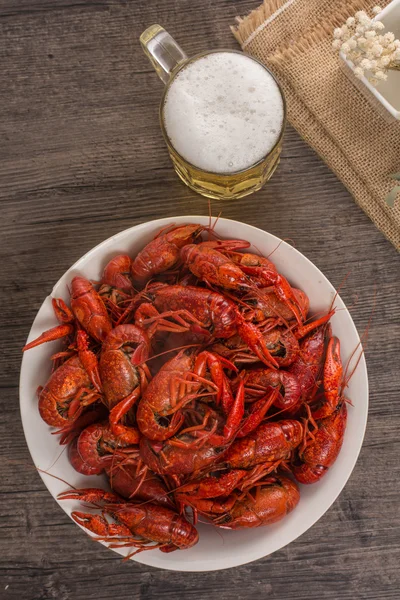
(373, 53)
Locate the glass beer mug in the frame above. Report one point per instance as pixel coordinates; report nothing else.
(222, 115)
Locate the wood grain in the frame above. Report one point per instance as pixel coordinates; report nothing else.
(81, 158)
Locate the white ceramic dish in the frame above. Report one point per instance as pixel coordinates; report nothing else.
(217, 549)
(386, 97)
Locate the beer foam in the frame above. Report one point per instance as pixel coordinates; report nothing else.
(223, 112)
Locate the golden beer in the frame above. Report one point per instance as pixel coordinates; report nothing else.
(222, 115)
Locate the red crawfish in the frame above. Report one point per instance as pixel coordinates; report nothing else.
(76, 460)
(308, 364)
(197, 447)
(159, 415)
(124, 380)
(117, 273)
(66, 328)
(116, 289)
(97, 448)
(162, 253)
(68, 390)
(180, 455)
(142, 526)
(71, 387)
(132, 480)
(87, 308)
(267, 502)
(201, 311)
(93, 414)
(323, 449)
(265, 304)
(332, 380)
(119, 304)
(280, 343)
(216, 268)
(258, 381)
(270, 443)
(220, 483)
(282, 298)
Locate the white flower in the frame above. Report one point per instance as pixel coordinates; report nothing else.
(365, 63)
(381, 76)
(384, 61)
(360, 14)
(376, 50)
(389, 37)
(361, 41)
(366, 21)
(358, 72)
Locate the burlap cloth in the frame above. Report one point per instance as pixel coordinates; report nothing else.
(352, 135)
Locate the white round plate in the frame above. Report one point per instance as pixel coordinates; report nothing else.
(217, 548)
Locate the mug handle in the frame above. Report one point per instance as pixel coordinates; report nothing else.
(162, 51)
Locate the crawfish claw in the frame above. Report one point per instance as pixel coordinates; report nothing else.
(88, 495)
(55, 333)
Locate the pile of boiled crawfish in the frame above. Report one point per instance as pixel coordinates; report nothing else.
(194, 380)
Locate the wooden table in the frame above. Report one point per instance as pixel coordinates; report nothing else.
(82, 158)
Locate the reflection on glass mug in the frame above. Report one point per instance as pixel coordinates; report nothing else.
(222, 115)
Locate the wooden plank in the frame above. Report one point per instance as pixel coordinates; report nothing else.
(81, 158)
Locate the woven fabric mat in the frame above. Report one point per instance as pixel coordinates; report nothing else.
(354, 135)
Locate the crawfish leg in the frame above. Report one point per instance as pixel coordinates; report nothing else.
(76, 405)
(257, 412)
(282, 288)
(254, 339)
(211, 487)
(215, 364)
(147, 314)
(88, 359)
(233, 420)
(129, 435)
(304, 330)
